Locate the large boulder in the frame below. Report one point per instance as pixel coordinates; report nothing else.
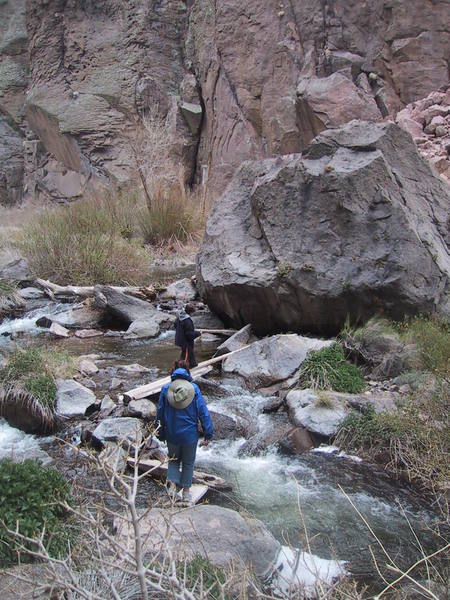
(355, 226)
(272, 359)
(196, 531)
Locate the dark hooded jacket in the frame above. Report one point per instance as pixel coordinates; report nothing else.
(185, 333)
(180, 426)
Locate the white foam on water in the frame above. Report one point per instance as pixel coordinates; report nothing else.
(326, 449)
(252, 476)
(18, 445)
(335, 451)
(303, 571)
(27, 324)
(166, 335)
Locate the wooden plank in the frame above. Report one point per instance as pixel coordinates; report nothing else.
(150, 389)
(158, 470)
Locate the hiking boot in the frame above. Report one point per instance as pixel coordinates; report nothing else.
(171, 491)
(187, 497)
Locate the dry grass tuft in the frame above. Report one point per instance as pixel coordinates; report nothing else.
(87, 242)
(172, 216)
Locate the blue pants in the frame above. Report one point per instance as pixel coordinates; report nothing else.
(181, 456)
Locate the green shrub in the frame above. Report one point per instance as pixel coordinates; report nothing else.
(86, 242)
(30, 497)
(368, 429)
(432, 338)
(200, 568)
(329, 369)
(171, 215)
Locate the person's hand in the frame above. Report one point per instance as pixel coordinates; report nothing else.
(204, 443)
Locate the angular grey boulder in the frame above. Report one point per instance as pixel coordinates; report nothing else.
(356, 225)
(143, 328)
(182, 290)
(143, 409)
(307, 409)
(197, 530)
(119, 430)
(236, 341)
(126, 308)
(272, 359)
(72, 398)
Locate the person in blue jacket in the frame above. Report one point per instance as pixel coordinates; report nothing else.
(180, 407)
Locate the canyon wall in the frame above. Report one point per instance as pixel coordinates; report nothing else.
(235, 81)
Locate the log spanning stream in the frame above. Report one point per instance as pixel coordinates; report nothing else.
(299, 498)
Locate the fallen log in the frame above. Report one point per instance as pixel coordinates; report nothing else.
(53, 290)
(150, 389)
(158, 469)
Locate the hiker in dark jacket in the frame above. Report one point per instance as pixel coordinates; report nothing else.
(185, 335)
(180, 407)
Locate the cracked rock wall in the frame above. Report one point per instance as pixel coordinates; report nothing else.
(235, 80)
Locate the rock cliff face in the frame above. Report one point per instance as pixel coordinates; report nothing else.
(235, 80)
(354, 226)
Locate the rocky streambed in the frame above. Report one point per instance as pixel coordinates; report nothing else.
(303, 497)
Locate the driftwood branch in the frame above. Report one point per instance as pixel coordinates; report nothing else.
(53, 290)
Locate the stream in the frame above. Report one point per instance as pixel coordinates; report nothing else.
(299, 498)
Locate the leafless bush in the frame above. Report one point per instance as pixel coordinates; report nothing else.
(108, 563)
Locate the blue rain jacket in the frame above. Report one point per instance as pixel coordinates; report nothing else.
(179, 426)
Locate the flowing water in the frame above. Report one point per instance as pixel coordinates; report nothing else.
(304, 500)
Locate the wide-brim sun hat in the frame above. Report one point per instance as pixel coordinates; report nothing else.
(180, 393)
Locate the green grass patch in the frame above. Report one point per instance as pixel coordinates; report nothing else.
(43, 389)
(200, 570)
(329, 369)
(431, 336)
(30, 498)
